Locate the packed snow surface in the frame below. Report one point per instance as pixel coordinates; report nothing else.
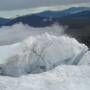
(60, 78)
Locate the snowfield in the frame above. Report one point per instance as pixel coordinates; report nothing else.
(60, 78)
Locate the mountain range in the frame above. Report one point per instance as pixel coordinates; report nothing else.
(73, 17)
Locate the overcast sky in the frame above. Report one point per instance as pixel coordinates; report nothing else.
(20, 4)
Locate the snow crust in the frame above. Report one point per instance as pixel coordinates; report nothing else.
(42, 53)
(60, 78)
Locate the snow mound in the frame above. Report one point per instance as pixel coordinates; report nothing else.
(60, 78)
(42, 53)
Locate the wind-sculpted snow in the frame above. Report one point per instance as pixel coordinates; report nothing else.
(60, 78)
(42, 53)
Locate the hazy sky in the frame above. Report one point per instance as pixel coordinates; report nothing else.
(19, 4)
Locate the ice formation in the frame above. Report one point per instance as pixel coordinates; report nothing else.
(42, 53)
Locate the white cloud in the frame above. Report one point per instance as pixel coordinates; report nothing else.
(18, 32)
(15, 4)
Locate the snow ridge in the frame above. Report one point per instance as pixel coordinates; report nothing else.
(42, 53)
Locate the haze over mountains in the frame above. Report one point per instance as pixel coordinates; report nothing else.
(77, 19)
(72, 17)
